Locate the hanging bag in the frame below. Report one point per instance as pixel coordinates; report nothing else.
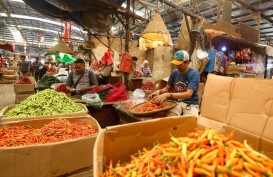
(125, 62)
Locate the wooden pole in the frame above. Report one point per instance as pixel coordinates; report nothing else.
(259, 25)
(219, 9)
(127, 28)
(90, 51)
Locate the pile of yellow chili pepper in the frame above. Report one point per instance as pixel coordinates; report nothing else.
(55, 131)
(207, 153)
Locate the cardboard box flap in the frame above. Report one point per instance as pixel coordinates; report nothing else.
(99, 157)
(241, 135)
(267, 148)
(268, 130)
(141, 134)
(204, 123)
(251, 103)
(152, 126)
(216, 97)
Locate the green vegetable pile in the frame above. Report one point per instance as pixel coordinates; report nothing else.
(48, 80)
(46, 102)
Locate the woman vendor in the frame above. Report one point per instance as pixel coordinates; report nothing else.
(145, 69)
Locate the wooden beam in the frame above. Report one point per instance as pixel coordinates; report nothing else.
(184, 11)
(127, 11)
(121, 21)
(100, 40)
(250, 7)
(219, 9)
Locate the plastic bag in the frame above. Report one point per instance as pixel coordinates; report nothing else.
(95, 65)
(101, 88)
(125, 62)
(138, 93)
(93, 99)
(118, 93)
(107, 58)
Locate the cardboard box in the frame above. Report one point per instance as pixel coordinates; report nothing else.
(11, 77)
(21, 97)
(11, 119)
(240, 104)
(8, 81)
(24, 88)
(48, 160)
(119, 142)
(9, 72)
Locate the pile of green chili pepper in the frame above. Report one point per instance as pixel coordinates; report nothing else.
(48, 80)
(55, 131)
(46, 102)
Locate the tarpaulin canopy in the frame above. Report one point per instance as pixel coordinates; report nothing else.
(6, 46)
(70, 9)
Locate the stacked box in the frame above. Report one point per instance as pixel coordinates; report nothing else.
(22, 91)
(9, 77)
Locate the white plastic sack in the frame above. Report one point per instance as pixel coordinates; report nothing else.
(93, 99)
(138, 93)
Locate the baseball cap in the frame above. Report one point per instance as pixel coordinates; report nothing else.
(180, 56)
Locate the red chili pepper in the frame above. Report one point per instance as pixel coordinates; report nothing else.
(24, 80)
(63, 88)
(55, 131)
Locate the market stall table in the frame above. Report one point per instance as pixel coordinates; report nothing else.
(1, 75)
(106, 116)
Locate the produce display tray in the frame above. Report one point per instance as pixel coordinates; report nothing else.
(11, 119)
(173, 104)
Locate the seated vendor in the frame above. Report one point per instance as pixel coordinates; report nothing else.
(145, 69)
(82, 79)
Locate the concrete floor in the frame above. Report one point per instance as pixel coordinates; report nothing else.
(7, 97)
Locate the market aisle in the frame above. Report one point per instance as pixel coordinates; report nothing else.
(7, 95)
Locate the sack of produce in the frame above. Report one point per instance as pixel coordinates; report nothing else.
(44, 104)
(93, 99)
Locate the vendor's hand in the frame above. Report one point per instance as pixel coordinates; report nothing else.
(83, 89)
(160, 98)
(154, 94)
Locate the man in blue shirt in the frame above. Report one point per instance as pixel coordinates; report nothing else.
(185, 81)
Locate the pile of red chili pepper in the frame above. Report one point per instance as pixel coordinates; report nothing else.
(207, 153)
(63, 88)
(148, 86)
(150, 106)
(55, 131)
(24, 80)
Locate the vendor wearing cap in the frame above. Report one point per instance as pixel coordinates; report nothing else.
(185, 81)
